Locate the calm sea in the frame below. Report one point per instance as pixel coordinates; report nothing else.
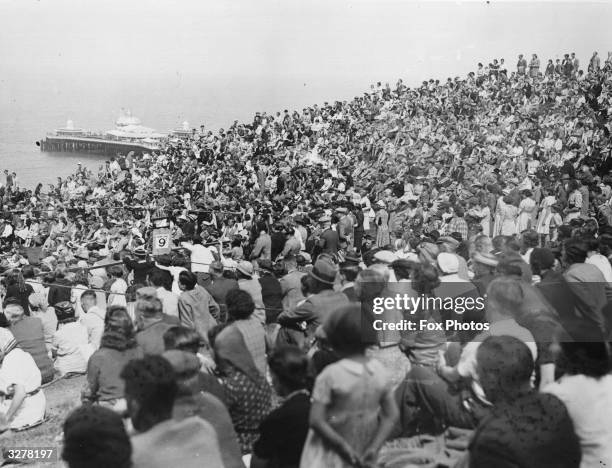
(275, 56)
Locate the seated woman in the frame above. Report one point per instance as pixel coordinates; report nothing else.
(283, 432)
(247, 393)
(29, 334)
(117, 348)
(70, 342)
(23, 402)
(40, 309)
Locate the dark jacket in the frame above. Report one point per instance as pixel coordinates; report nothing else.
(59, 291)
(534, 431)
(272, 295)
(312, 313)
(141, 268)
(218, 289)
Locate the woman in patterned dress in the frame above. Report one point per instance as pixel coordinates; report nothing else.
(247, 393)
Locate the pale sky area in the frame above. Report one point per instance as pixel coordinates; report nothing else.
(196, 38)
(216, 60)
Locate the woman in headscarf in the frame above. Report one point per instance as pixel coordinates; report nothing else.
(247, 393)
(22, 402)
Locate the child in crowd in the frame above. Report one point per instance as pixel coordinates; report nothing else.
(353, 409)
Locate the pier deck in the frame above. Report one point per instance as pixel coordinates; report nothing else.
(93, 144)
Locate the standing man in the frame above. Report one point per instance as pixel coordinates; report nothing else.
(550, 69)
(141, 266)
(575, 64)
(358, 229)
(521, 65)
(9, 181)
(534, 66)
(219, 286)
(567, 66)
(329, 240)
(595, 63)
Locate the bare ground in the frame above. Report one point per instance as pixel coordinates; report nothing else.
(62, 397)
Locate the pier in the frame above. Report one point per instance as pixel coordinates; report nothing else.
(128, 135)
(92, 144)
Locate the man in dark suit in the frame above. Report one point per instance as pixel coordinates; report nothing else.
(300, 324)
(218, 286)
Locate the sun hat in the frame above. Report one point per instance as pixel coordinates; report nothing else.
(324, 271)
(246, 268)
(448, 263)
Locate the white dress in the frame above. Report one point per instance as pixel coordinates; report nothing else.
(526, 208)
(505, 218)
(18, 367)
(545, 217)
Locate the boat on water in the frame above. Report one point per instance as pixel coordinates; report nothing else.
(128, 135)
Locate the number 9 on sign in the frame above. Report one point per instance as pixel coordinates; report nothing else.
(161, 242)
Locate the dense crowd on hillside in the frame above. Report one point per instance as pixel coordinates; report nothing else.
(256, 336)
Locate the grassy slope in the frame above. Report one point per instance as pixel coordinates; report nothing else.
(62, 397)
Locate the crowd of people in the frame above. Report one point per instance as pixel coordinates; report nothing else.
(252, 338)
